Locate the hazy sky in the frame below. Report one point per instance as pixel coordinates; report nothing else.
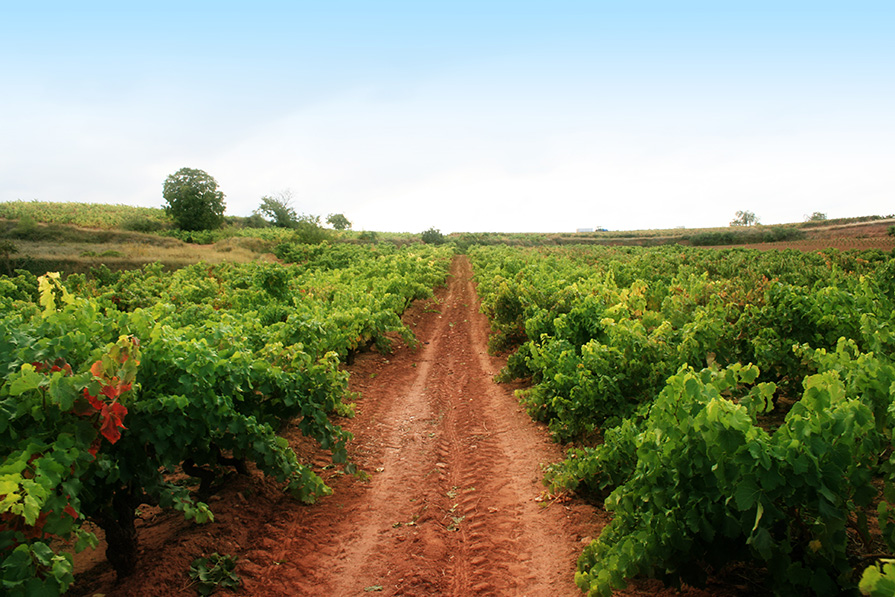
(464, 116)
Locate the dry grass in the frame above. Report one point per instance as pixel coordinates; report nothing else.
(38, 256)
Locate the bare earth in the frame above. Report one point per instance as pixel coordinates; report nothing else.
(453, 504)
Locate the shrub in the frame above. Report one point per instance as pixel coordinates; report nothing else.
(771, 234)
(432, 236)
(308, 230)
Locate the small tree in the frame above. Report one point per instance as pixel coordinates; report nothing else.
(278, 209)
(432, 236)
(744, 218)
(194, 201)
(338, 221)
(816, 217)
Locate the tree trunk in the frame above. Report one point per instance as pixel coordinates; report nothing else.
(121, 533)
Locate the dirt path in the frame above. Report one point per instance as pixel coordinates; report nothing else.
(453, 504)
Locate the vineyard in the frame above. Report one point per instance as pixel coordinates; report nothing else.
(115, 384)
(730, 408)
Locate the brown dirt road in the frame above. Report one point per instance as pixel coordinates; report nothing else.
(453, 504)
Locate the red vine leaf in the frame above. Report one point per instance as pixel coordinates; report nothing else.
(94, 401)
(97, 369)
(112, 416)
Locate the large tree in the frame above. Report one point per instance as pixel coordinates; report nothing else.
(194, 200)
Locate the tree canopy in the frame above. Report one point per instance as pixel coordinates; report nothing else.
(338, 221)
(745, 218)
(194, 200)
(278, 210)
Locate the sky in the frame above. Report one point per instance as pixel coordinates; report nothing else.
(483, 116)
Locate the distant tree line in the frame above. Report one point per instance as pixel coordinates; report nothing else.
(195, 203)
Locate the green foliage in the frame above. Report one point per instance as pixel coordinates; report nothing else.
(194, 201)
(665, 366)
(92, 423)
(7, 250)
(278, 210)
(816, 217)
(213, 572)
(88, 215)
(27, 229)
(710, 486)
(877, 582)
(432, 236)
(143, 224)
(309, 231)
(768, 234)
(253, 221)
(744, 218)
(338, 221)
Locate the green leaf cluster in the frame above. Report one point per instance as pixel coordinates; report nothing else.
(213, 572)
(665, 367)
(193, 200)
(230, 354)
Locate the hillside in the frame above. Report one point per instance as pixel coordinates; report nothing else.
(73, 238)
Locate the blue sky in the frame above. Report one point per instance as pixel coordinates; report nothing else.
(464, 116)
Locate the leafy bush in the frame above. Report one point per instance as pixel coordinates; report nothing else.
(432, 236)
(308, 230)
(199, 237)
(28, 229)
(770, 234)
(253, 221)
(710, 487)
(879, 583)
(7, 248)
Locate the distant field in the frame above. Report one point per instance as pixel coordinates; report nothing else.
(88, 215)
(818, 244)
(74, 237)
